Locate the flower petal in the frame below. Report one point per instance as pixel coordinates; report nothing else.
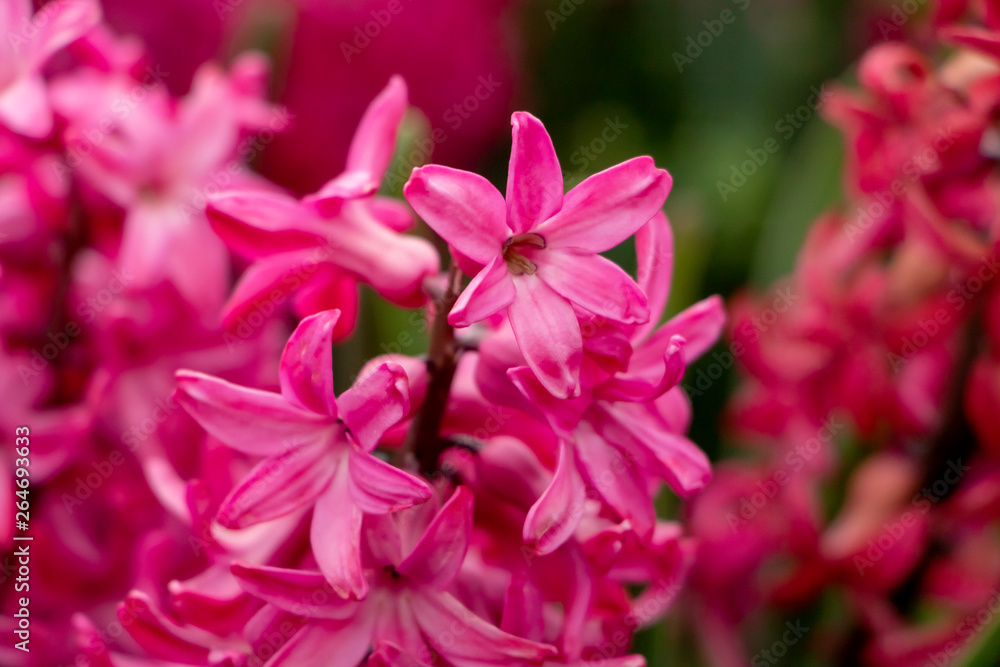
(490, 291)
(440, 615)
(374, 140)
(278, 486)
(646, 381)
(299, 592)
(608, 207)
(24, 107)
(699, 325)
(438, 556)
(335, 536)
(378, 487)
(65, 22)
(252, 421)
(534, 178)
(593, 283)
(375, 403)
(463, 208)
(307, 364)
(683, 464)
(617, 479)
(548, 335)
(259, 224)
(654, 251)
(325, 644)
(553, 518)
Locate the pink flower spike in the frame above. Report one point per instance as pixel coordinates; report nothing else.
(370, 152)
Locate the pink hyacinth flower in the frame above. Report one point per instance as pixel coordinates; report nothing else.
(317, 448)
(29, 41)
(330, 240)
(409, 612)
(540, 248)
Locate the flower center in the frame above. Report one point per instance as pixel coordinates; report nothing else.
(517, 263)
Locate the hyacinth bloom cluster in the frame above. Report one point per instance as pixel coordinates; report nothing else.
(882, 372)
(231, 501)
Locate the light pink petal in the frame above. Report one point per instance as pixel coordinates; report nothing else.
(463, 208)
(490, 291)
(396, 265)
(534, 178)
(373, 143)
(392, 213)
(593, 283)
(553, 518)
(654, 251)
(683, 464)
(12, 14)
(438, 556)
(375, 403)
(307, 364)
(260, 224)
(479, 643)
(618, 479)
(164, 638)
(562, 414)
(264, 288)
(65, 22)
(299, 592)
(256, 422)
(548, 335)
(523, 609)
(24, 107)
(699, 325)
(325, 644)
(378, 487)
(608, 207)
(649, 380)
(278, 486)
(335, 536)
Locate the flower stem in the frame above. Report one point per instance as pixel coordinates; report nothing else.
(423, 439)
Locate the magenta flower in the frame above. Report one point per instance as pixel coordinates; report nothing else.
(409, 615)
(28, 43)
(317, 449)
(330, 240)
(540, 248)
